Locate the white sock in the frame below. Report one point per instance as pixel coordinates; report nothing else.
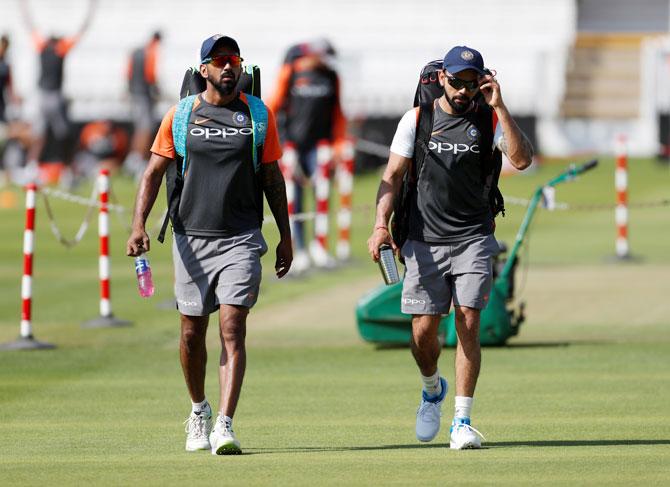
(198, 407)
(226, 419)
(463, 406)
(432, 384)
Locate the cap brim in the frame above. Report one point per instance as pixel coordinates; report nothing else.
(222, 40)
(462, 67)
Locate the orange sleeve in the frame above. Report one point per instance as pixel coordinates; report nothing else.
(65, 44)
(38, 41)
(150, 60)
(279, 97)
(271, 149)
(164, 143)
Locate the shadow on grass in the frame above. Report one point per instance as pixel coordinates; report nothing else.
(397, 346)
(319, 449)
(559, 443)
(508, 346)
(487, 445)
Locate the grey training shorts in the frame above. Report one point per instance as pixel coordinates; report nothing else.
(436, 274)
(210, 271)
(52, 114)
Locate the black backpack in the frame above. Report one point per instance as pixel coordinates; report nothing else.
(193, 83)
(427, 91)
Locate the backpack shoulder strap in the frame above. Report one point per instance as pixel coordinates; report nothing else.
(424, 129)
(259, 121)
(180, 124)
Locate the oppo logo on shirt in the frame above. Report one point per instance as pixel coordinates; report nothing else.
(455, 149)
(210, 133)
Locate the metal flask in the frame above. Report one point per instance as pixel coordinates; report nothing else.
(388, 265)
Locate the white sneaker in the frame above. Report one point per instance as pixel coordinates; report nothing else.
(464, 436)
(320, 256)
(223, 439)
(300, 263)
(428, 414)
(198, 427)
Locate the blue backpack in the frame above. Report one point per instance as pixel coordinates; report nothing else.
(193, 82)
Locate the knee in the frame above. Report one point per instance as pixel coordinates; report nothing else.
(425, 333)
(467, 324)
(192, 336)
(234, 329)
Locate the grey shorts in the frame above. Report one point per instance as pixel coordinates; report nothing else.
(52, 114)
(436, 275)
(210, 271)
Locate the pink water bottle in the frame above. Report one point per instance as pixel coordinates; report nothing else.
(144, 281)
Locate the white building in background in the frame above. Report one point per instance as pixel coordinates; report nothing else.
(580, 70)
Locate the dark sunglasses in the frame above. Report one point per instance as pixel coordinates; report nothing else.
(220, 61)
(458, 83)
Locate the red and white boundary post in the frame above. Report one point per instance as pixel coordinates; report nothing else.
(106, 318)
(28, 249)
(26, 340)
(345, 183)
(322, 192)
(621, 211)
(103, 234)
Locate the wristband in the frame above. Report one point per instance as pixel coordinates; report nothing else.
(384, 227)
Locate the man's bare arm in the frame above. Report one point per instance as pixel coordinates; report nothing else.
(391, 180)
(275, 192)
(146, 197)
(514, 143)
(274, 188)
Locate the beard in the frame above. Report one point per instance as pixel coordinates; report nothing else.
(459, 104)
(226, 86)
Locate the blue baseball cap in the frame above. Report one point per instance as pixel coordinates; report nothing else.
(460, 58)
(210, 43)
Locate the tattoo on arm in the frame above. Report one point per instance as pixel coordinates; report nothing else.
(502, 145)
(275, 193)
(526, 148)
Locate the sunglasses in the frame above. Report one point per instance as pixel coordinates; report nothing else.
(220, 61)
(458, 83)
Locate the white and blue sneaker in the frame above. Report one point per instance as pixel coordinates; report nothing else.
(198, 427)
(463, 436)
(223, 439)
(429, 413)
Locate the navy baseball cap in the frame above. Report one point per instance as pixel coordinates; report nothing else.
(460, 58)
(210, 43)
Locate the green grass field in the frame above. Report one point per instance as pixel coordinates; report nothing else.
(580, 397)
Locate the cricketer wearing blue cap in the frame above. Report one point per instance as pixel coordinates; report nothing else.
(207, 145)
(450, 243)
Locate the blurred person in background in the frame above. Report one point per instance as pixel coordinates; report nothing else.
(11, 130)
(448, 253)
(144, 92)
(7, 93)
(307, 104)
(102, 145)
(217, 244)
(53, 110)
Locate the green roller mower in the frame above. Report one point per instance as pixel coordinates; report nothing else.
(378, 313)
